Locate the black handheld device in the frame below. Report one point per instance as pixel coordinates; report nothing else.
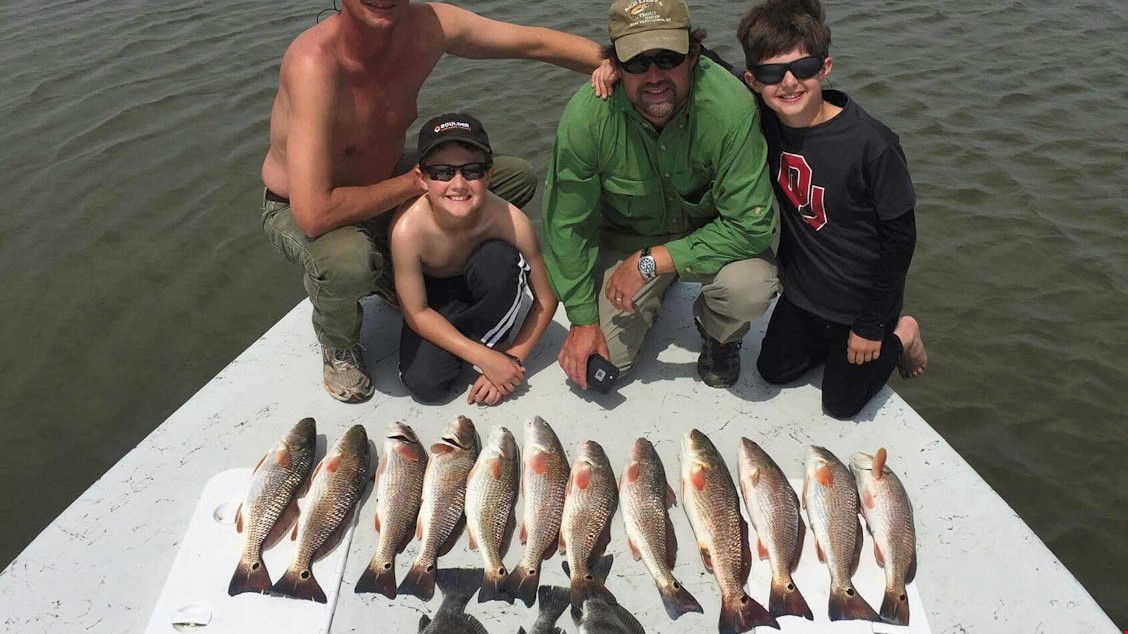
(601, 373)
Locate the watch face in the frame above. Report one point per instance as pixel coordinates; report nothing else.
(646, 266)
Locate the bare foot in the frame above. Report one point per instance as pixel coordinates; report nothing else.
(914, 361)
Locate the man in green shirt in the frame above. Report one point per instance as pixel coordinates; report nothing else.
(667, 178)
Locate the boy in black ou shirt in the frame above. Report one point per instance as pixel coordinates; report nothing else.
(846, 201)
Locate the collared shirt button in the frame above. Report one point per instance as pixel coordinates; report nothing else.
(667, 174)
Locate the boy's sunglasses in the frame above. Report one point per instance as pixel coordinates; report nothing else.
(444, 173)
(802, 68)
(641, 63)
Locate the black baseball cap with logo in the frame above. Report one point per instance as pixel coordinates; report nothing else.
(453, 127)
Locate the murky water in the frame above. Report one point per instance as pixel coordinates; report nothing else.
(132, 266)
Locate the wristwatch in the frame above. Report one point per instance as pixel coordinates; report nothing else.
(646, 265)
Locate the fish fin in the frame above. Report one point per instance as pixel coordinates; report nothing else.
(753, 476)
(409, 452)
(824, 475)
(441, 448)
(784, 599)
(294, 533)
(332, 463)
(538, 462)
(523, 534)
(671, 499)
(745, 552)
(473, 542)
(604, 539)
(493, 586)
(803, 495)
(819, 551)
(250, 576)
(334, 539)
(523, 583)
(313, 476)
(878, 466)
(283, 459)
(634, 549)
(582, 476)
(671, 544)
(494, 465)
(278, 532)
(800, 536)
(677, 600)
(910, 574)
(418, 529)
(455, 535)
(259, 463)
(878, 556)
(376, 522)
(743, 613)
(376, 578)
(895, 606)
(507, 536)
(857, 548)
(553, 601)
(697, 477)
(563, 548)
(706, 558)
(424, 621)
(761, 549)
(552, 546)
(847, 605)
(239, 519)
(407, 535)
(632, 472)
(420, 580)
(520, 630)
(568, 484)
(300, 584)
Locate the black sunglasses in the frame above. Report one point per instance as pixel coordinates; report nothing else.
(641, 63)
(802, 68)
(444, 173)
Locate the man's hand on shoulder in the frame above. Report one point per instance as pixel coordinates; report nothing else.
(581, 343)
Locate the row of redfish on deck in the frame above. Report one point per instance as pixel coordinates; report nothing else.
(570, 510)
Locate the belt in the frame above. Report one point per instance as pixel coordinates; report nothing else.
(274, 198)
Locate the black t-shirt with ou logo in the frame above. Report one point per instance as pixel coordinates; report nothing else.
(846, 201)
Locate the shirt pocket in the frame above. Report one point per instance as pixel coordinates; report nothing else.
(632, 198)
(697, 203)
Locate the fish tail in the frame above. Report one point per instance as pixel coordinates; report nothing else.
(553, 601)
(740, 614)
(786, 600)
(895, 606)
(523, 583)
(420, 580)
(250, 576)
(587, 586)
(847, 605)
(493, 582)
(300, 584)
(678, 600)
(378, 580)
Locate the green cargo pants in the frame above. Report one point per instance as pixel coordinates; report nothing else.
(729, 301)
(348, 263)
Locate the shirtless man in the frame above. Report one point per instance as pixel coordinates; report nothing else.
(463, 258)
(346, 96)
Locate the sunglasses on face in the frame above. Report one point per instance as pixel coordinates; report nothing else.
(444, 173)
(802, 68)
(641, 63)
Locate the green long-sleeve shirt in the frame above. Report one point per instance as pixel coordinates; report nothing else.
(700, 186)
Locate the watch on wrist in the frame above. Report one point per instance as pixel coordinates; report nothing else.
(646, 265)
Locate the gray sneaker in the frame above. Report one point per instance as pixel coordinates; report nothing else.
(346, 376)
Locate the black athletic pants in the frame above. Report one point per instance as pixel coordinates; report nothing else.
(483, 303)
(797, 341)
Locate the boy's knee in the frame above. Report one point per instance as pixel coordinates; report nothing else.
(425, 387)
(841, 407)
(774, 371)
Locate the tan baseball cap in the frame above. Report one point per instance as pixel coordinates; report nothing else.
(640, 25)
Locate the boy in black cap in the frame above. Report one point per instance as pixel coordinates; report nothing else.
(463, 258)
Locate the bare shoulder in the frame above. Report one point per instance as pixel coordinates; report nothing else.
(410, 223)
(311, 54)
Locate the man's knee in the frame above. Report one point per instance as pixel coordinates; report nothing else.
(743, 290)
(346, 260)
(514, 179)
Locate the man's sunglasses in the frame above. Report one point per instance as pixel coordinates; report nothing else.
(641, 63)
(444, 173)
(802, 68)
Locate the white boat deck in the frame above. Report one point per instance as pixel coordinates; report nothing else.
(100, 566)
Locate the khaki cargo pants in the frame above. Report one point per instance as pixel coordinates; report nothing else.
(346, 264)
(729, 301)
